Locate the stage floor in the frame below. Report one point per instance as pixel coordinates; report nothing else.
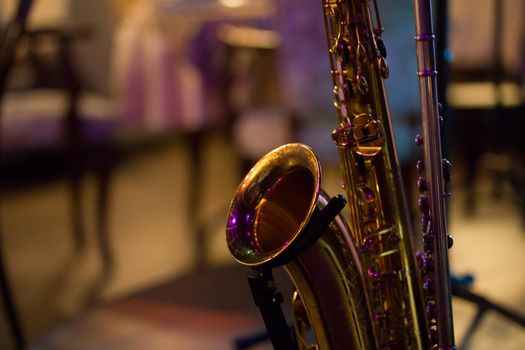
(154, 301)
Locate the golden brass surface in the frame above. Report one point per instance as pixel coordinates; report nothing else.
(273, 204)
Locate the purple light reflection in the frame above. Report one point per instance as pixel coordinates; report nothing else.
(373, 273)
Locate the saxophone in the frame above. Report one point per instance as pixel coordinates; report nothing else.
(359, 283)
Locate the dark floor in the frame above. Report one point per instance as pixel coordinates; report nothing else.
(152, 301)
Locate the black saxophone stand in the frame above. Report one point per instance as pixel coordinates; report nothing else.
(264, 288)
(460, 290)
(268, 300)
(11, 35)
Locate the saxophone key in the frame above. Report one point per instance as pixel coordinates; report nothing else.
(428, 287)
(362, 84)
(425, 263)
(433, 336)
(420, 167)
(428, 242)
(423, 203)
(447, 170)
(425, 221)
(428, 266)
(383, 67)
(381, 48)
(418, 140)
(381, 243)
(431, 310)
(342, 51)
(361, 54)
(422, 185)
(450, 240)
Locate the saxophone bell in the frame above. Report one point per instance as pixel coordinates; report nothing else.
(273, 205)
(271, 215)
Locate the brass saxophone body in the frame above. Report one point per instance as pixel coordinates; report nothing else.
(371, 176)
(358, 284)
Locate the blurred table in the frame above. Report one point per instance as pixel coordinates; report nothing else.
(217, 10)
(159, 85)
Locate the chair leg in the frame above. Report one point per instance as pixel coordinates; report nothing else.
(103, 168)
(75, 194)
(102, 212)
(195, 141)
(10, 309)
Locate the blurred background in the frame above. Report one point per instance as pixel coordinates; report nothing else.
(126, 126)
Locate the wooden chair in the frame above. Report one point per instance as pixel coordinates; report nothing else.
(50, 112)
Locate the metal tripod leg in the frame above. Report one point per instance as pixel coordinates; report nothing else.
(483, 306)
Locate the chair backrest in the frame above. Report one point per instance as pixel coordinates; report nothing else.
(10, 38)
